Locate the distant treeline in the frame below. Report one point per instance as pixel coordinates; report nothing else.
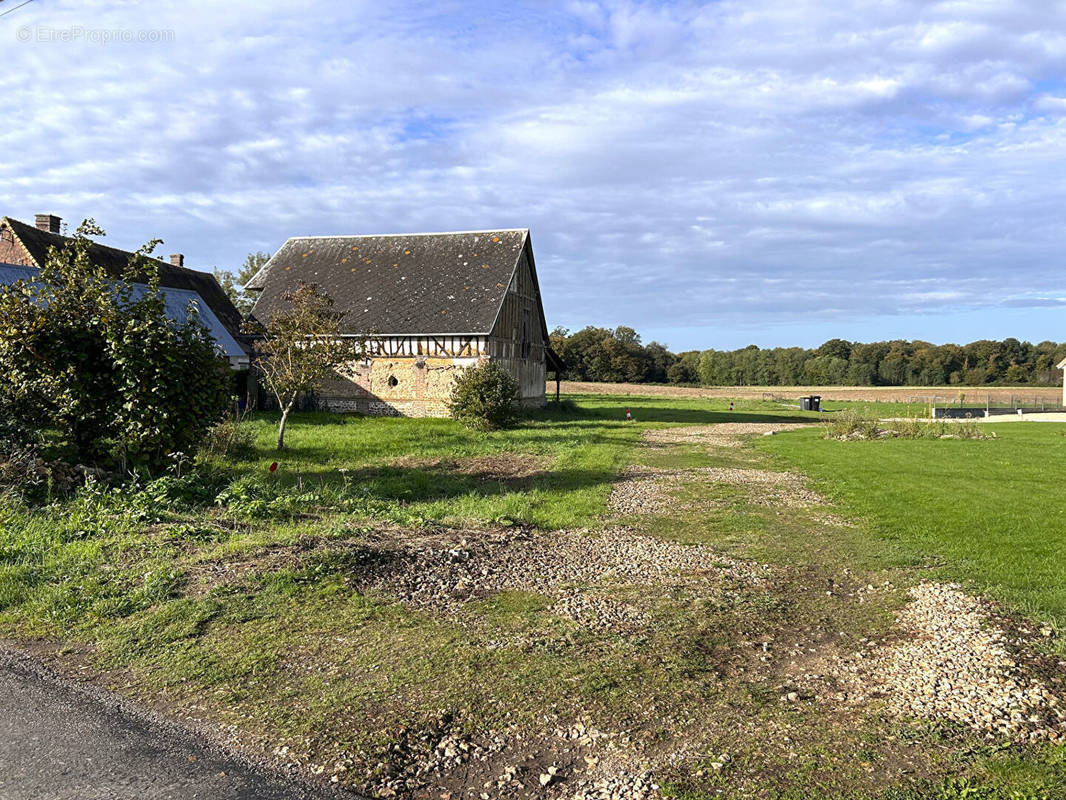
(600, 354)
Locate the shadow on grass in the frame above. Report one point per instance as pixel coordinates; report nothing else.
(569, 415)
(422, 484)
(651, 413)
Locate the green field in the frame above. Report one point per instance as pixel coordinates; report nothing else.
(236, 596)
(990, 514)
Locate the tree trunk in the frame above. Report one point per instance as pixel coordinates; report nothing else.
(281, 428)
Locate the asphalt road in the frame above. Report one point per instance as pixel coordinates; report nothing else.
(65, 742)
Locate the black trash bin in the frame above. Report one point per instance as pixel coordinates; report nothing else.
(805, 403)
(816, 402)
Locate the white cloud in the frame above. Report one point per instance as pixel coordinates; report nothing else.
(717, 164)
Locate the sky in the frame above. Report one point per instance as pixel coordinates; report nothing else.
(776, 172)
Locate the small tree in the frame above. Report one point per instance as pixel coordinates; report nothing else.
(300, 346)
(233, 284)
(484, 397)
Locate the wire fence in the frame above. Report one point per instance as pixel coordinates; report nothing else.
(962, 404)
(944, 406)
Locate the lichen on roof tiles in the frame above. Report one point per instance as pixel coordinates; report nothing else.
(434, 263)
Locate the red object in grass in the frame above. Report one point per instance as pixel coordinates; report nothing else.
(274, 466)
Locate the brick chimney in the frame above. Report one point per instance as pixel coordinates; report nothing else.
(177, 260)
(48, 222)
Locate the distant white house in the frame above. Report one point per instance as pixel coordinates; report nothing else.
(1062, 366)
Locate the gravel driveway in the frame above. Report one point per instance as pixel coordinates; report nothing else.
(63, 742)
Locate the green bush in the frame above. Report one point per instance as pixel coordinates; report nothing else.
(484, 397)
(254, 497)
(93, 358)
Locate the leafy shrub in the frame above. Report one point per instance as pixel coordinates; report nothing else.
(194, 489)
(232, 438)
(256, 498)
(484, 397)
(94, 357)
(96, 506)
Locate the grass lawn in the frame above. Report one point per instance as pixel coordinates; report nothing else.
(990, 514)
(238, 599)
(409, 465)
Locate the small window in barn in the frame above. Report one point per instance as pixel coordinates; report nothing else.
(392, 380)
(525, 339)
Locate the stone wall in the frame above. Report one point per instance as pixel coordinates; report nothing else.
(395, 386)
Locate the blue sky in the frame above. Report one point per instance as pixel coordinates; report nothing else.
(712, 174)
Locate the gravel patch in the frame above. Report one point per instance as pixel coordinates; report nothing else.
(772, 489)
(604, 613)
(724, 434)
(643, 490)
(955, 665)
(612, 770)
(688, 433)
(444, 572)
(620, 786)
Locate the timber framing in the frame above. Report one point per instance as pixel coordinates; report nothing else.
(427, 305)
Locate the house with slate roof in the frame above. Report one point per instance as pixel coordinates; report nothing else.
(24, 249)
(428, 304)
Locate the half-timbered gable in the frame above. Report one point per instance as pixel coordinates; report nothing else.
(429, 304)
(519, 338)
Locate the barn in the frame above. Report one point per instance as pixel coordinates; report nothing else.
(428, 304)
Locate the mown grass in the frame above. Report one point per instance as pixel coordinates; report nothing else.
(990, 514)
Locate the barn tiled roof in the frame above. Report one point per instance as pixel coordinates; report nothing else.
(420, 283)
(37, 242)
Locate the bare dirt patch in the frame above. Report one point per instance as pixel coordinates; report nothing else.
(571, 762)
(443, 570)
(453, 567)
(516, 469)
(595, 579)
(870, 394)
